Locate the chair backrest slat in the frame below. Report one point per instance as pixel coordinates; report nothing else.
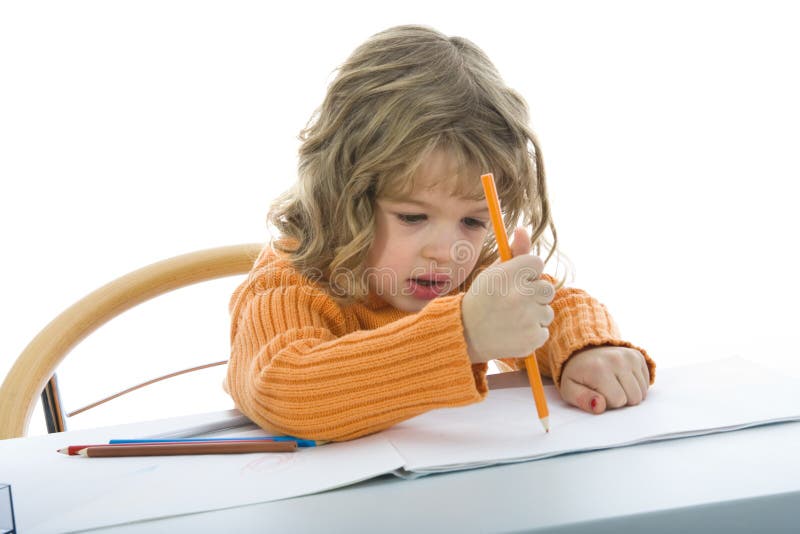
(37, 363)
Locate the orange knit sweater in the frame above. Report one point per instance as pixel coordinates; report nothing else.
(303, 365)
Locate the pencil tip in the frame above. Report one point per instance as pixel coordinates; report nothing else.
(546, 424)
(63, 450)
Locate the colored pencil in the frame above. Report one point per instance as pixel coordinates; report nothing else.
(534, 377)
(73, 450)
(300, 442)
(170, 449)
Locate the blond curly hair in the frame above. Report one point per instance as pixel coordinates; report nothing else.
(406, 91)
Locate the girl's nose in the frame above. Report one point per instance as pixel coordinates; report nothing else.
(437, 247)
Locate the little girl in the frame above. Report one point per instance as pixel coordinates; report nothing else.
(382, 298)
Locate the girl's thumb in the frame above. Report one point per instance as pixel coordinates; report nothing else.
(583, 397)
(521, 243)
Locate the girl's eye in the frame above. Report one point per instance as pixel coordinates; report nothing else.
(410, 219)
(474, 223)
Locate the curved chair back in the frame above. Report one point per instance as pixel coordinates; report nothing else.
(35, 366)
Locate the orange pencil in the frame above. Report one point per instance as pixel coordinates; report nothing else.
(504, 249)
(200, 447)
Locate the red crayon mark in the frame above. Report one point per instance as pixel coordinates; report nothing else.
(594, 403)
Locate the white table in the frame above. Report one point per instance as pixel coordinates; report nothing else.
(743, 481)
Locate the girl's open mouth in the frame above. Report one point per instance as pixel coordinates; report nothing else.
(427, 289)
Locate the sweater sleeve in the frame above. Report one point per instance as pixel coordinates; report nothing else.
(579, 322)
(298, 368)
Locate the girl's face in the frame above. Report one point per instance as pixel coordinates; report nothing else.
(426, 243)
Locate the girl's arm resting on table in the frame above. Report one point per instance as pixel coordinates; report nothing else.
(290, 373)
(580, 323)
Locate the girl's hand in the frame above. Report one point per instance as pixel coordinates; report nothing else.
(605, 377)
(506, 311)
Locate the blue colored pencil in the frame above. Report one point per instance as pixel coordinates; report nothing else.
(300, 442)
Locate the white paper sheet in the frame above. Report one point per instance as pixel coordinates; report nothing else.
(686, 401)
(188, 484)
(81, 493)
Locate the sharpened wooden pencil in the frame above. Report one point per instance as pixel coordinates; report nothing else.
(535, 379)
(172, 449)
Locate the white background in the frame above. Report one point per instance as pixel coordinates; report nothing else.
(135, 131)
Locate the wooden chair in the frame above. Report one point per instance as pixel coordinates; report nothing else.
(32, 374)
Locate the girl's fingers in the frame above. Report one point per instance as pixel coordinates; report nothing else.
(643, 383)
(632, 388)
(645, 372)
(620, 379)
(611, 388)
(547, 316)
(641, 372)
(543, 291)
(583, 397)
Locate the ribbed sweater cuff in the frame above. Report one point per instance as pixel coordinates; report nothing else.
(589, 325)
